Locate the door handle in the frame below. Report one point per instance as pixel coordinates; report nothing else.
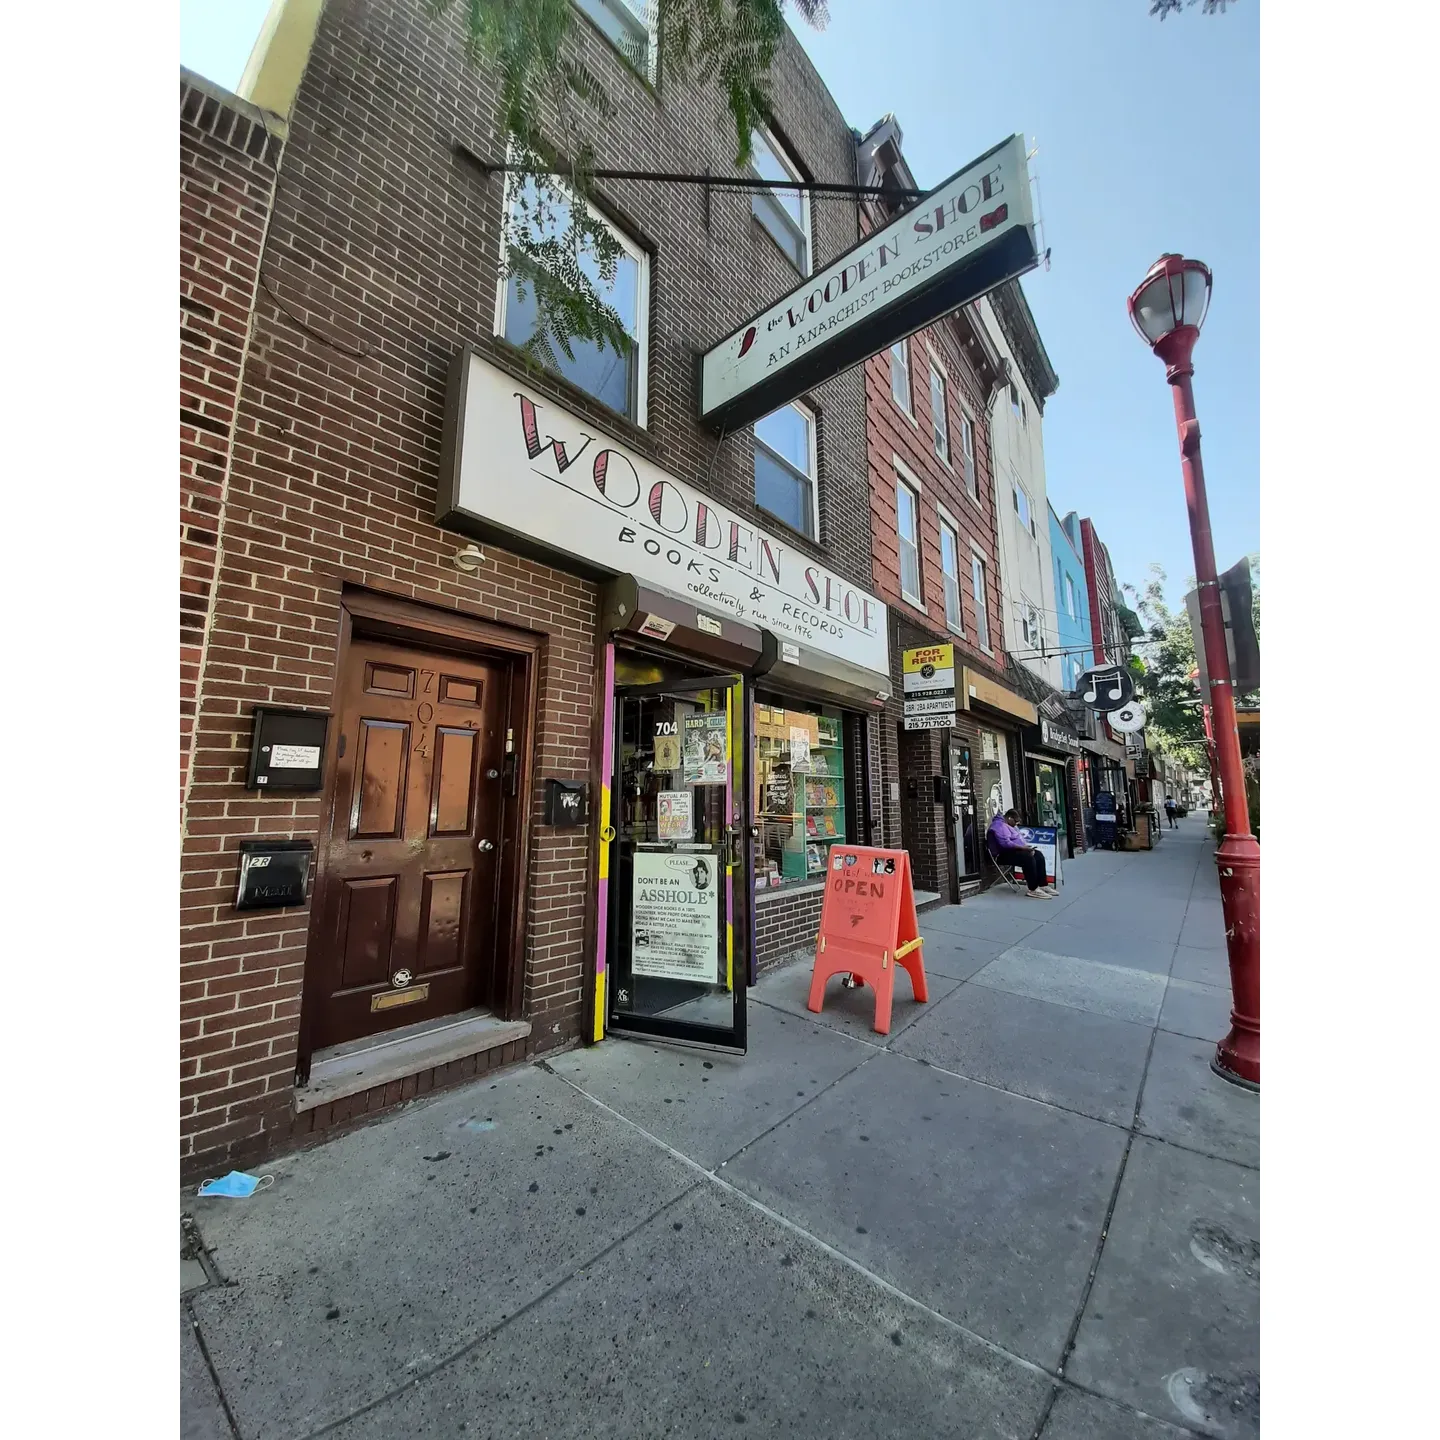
(485, 845)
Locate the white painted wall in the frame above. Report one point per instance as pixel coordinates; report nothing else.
(1027, 572)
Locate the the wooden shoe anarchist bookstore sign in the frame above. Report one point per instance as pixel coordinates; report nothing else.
(959, 242)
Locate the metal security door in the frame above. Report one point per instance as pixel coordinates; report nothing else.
(679, 954)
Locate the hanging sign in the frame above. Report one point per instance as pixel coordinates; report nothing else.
(928, 678)
(1128, 719)
(548, 483)
(1106, 687)
(675, 917)
(965, 238)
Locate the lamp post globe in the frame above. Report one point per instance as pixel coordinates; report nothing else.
(1167, 309)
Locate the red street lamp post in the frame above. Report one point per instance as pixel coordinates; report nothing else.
(1168, 310)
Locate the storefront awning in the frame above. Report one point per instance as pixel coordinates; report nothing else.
(794, 667)
(630, 607)
(977, 689)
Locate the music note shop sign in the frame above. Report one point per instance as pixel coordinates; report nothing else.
(960, 241)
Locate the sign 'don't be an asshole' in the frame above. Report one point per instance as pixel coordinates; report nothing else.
(522, 465)
(963, 239)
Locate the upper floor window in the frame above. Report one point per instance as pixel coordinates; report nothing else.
(950, 571)
(982, 614)
(785, 213)
(1029, 625)
(939, 420)
(785, 468)
(1014, 400)
(629, 25)
(1070, 597)
(967, 456)
(907, 529)
(900, 374)
(614, 379)
(1022, 509)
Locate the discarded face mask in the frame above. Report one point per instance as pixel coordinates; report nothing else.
(237, 1184)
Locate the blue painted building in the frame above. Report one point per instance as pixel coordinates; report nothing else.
(1072, 605)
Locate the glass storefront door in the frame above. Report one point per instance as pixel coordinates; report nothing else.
(1050, 808)
(678, 961)
(968, 835)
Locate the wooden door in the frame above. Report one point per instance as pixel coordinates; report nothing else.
(407, 901)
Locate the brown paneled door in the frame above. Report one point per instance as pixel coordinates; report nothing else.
(407, 896)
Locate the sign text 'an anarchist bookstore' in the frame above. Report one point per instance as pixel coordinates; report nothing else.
(959, 242)
(553, 483)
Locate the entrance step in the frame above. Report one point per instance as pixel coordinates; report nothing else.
(361, 1065)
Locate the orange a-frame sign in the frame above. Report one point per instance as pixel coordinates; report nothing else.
(868, 926)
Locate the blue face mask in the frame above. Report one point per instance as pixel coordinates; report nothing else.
(236, 1183)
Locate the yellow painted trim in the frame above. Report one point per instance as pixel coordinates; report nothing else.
(600, 1005)
(282, 51)
(604, 826)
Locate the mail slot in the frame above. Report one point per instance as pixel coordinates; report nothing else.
(273, 872)
(287, 749)
(566, 802)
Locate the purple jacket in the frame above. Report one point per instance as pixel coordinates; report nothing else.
(1004, 836)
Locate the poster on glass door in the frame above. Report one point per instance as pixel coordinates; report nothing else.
(705, 760)
(675, 921)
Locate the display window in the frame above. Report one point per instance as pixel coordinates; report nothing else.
(800, 807)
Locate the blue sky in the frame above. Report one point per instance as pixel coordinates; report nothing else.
(1093, 83)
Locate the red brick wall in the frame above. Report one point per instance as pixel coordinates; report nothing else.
(785, 924)
(228, 160)
(380, 261)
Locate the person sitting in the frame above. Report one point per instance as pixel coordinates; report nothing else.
(1010, 848)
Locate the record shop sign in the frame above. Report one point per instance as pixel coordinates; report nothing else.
(549, 482)
(963, 239)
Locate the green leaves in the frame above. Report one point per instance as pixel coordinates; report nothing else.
(551, 105)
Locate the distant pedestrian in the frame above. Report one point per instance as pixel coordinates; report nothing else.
(1010, 849)
(1170, 811)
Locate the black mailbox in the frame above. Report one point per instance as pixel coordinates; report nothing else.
(566, 802)
(273, 872)
(287, 750)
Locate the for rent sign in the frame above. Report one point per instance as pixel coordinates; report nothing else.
(551, 483)
(967, 236)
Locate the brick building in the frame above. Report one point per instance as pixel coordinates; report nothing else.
(937, 567)
(516, 710)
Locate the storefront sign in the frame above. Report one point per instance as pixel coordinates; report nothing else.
(675, 924)
(997, 697)
(1106, 687)
(966, 237)
(705, 759)
(551, 483)
(1058, 736)
(675, 815)
(1128, 719)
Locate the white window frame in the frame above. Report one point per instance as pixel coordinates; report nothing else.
(813, 460)
(793, 171)
(950, 523)
(940, 425)
(982, 605)
(1017, 489)
(609, 15)
(901, 351)
(642, 299)
(970, 471)
(1070, 606)
(906, 479)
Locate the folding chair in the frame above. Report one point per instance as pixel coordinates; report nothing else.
(1006, 872)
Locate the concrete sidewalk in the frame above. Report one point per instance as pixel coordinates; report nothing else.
(1032, 1209)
